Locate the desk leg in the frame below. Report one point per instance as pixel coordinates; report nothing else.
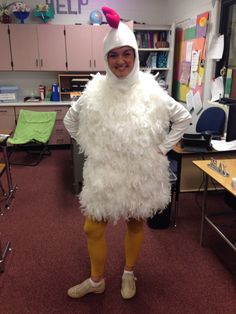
(204, 208)
(11, 187)
(3, 255)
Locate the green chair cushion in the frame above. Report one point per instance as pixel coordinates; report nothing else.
(33, 126)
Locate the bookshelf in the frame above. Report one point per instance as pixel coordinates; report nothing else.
(156, 50)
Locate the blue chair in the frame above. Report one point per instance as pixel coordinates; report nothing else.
(212, 120)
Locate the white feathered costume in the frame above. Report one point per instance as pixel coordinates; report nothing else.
(122, 126)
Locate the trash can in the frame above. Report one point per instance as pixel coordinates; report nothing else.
(162, 220)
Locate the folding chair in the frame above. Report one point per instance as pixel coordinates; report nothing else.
(32, 133)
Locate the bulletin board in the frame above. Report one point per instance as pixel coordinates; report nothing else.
(189, 62)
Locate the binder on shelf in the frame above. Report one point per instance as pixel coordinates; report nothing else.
(228, 82)
(233, 85)
(155, 39)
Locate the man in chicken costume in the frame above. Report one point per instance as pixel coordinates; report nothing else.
(122, 124)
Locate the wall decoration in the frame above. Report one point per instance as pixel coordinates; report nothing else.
(62, 8)
(5, 10)
(202, 24)
(189, 59)
(45, 12)
(21, 11)
(95, 17)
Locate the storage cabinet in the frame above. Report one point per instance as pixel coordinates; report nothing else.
(156, 50)
(52, 47)
(5, 59)
(43, 47)
(7, 118)
(84, 44)
(38, 47)
(59, 136)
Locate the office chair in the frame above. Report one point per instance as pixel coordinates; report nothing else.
(212, 120)
(32, 133)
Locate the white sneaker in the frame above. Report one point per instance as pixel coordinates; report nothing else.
(84, 288)
(128, 287)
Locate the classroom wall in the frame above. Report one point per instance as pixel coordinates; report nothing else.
(189, 9)
(77, 11)
(149, 11)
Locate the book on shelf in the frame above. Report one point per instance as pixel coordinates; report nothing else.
(228, 82)
(149, 39)
(138, 39)
(155, 39)
(152, 60)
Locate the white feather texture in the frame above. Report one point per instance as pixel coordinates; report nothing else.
(125, 174)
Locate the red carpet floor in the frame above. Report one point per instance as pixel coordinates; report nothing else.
(44, 225)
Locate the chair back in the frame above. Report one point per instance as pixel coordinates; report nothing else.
(212, 120)
(33, 126)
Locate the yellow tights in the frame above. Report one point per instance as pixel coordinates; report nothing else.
(97, 246)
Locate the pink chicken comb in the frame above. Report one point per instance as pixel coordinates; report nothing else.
(113, 18)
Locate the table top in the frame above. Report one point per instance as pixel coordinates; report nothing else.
(36, 103)
(181, 151)
(224, 181)
(4, 132)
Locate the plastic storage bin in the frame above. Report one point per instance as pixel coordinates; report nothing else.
(9, 94)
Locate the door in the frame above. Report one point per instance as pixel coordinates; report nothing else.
(79, 47)
(52, 50)
(38, 47)
(24, 45)
(98, 34)
(5, 60)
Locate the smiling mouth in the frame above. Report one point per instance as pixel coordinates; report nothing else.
(121, 68)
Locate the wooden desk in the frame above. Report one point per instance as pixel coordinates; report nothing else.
(189, 177)
(225, 182)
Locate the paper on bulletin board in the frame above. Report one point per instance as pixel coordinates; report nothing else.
(199, 45)
(190, 33)
(183, 90)
(217, 88)
(178, 60)
(181, 51)
(198, 89)
(185, 72)
(216, 48)
(197, 103)
(200, 77)
(194, 102)
(202, 24)
(189, 101)
(188, 53)
(195, 60)
(193, 79)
